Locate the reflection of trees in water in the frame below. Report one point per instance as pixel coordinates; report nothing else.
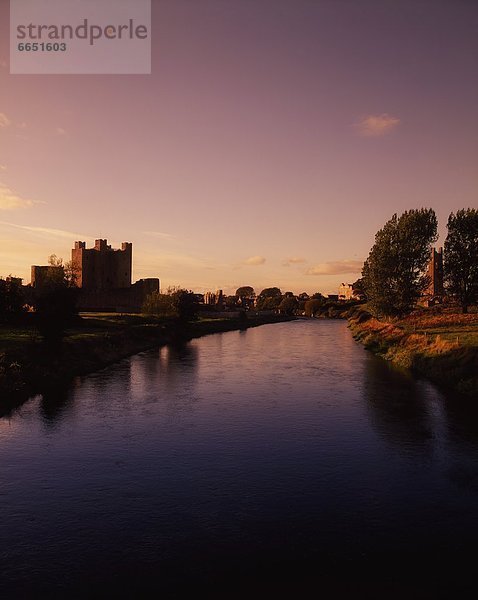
(178, 362)
(462, 419)
(397, 405)
(107, 385)
(9, 404)
(462, 440)
(55, 404)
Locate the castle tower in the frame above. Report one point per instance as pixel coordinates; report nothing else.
(435, 273)
(101, 267)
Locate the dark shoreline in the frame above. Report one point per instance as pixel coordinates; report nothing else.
(39, 368)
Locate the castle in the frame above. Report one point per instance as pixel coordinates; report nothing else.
(102, 268)
(104, 276)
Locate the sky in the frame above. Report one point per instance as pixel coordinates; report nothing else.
(271, 141)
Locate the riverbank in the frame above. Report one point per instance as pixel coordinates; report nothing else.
(439, 345)
(29, 366)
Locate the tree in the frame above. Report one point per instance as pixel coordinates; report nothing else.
(288, 305)
(245, 296)
(318, 296)
(55, 301)
(312, 307)
(358, 289)
(246, 291)
(176, 302)
(230, 302)
(394, 273)
(461, 257)
(269, 299)
(185, 304)
(12, 299)
(158, 304)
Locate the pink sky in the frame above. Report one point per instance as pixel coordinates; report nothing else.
(271, 141)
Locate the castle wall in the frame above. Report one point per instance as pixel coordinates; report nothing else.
(118, 300)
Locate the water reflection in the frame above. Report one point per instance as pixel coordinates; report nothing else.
(284, 443)
(399, 409)
(54, 405)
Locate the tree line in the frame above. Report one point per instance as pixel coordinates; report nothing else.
(394, 276)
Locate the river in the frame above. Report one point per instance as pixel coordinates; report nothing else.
(247, 462)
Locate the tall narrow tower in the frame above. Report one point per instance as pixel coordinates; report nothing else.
(435, 273)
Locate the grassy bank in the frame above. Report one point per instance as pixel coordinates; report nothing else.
(438, 344)
(28, 365)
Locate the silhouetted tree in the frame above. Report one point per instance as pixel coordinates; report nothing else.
(176, 302)
(461, 257)
(318, 296)
(246, 291)
(358, 289)
(12, 299)
(288, 305)
(269, 299)
(55, 302)
(230, 302)
(185, 304)
(158, 304)
(245, 296)
(312, 307)
(394, 272)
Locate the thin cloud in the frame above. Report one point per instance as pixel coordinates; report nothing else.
(9, 200)
(48, 232)
(3, 167)
(60, 131)
(338, 267)
(4, 120)
(294, 260)
(160, 234)
(376, 125)
(254, 261)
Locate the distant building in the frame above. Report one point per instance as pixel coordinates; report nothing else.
(435, 273)
(435, 290)
(219, 297)
(349, 291)
(214, 299)
(41, 274)
(209, 298)
(346, 291)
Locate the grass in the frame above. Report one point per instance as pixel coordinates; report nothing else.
(440, 344)
(14, 339)
(443, 327)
